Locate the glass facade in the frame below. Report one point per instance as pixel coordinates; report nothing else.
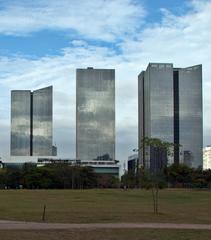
(95, 114)
(141, 114)
(31, 122)
(42, 122)
(190, 115)
(20, 123)
(170, 108)
(156, 112)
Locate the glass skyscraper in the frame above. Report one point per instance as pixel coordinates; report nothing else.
(170, 108)
(95, 114)
(31, 122)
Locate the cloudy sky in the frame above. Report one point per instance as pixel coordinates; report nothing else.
(42, 42)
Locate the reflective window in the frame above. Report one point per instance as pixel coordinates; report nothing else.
(20, 123)
(42, 122)
(190, 113)
(170, 108)
(95, 114)
(31, 122)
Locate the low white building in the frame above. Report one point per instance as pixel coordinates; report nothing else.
(207, 157)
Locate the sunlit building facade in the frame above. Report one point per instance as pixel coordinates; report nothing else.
(207, 158)
(31, 122)
(170, 108)
(95, 114)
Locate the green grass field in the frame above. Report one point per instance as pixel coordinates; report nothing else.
(116, 205)
(123, 234)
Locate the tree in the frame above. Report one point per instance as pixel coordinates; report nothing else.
(107, 181)
(179, 175)
(3, 178)
(155, 177)
(129, 179)
(14, 178)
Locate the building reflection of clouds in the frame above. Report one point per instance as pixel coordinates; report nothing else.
(95, 113)
(42, 122)
(31, 122)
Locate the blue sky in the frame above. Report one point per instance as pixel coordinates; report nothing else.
(42, 42)
(46, 41)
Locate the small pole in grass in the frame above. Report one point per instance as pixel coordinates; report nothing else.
(43, 214)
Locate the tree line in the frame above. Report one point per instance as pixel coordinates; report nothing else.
(54, 176)
(175, 176)
(62, 176)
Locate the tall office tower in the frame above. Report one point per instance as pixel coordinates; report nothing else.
(170, 108)
(95, 114)
(31, 122)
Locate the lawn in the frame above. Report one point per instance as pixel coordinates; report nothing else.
(115, 205)
(123, 234)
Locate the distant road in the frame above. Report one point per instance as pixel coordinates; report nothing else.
(15, 225)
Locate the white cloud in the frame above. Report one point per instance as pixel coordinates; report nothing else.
(183, 40)
(96, 19)
(59, 71)
(175, 37)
